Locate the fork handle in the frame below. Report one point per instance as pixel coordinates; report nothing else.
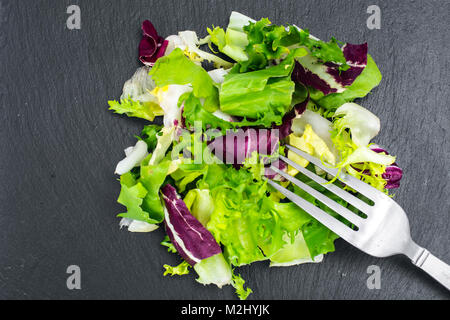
(435, 267)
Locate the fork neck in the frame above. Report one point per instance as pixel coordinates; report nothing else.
(413, 251)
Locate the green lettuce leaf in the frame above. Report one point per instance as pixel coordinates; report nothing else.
(200, 204)
(318, 238)
(250, 225)
(324, 51)
(140, 192)
(238, 283)
(176, 68)
(267, 42)
(165, 140)
(293, 252)
(137, 109)
(152, 178)
(179, 270)
(214, 269)
(167, 243)
(132, 196)
(233, 41)
(136, 99)
(241, 212)
(255, 94)
(149, 136)
(194, 111)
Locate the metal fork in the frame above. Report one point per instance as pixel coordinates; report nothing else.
(384, 232)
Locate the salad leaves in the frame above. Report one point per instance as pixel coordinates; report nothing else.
(202, 175)
(253, 94)
(369, 78)
(136, 99)
(177, 69)
(233, 41)
(152, 45)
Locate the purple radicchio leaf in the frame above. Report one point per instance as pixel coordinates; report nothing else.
(327, 77)
(191, 239)
(393, 173)
(152, 46)
(236, 146)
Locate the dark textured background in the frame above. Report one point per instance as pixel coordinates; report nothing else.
(60, 145)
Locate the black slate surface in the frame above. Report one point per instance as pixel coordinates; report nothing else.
(59, 147)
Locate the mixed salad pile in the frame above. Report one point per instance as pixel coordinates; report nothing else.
(202, 175)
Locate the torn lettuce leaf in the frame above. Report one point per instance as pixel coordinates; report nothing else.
(165, 139)
(137, 226)
(214, 270)
(238, 283)
(254, 94)
(131, 196)
(194, 111)
(310, 141)
(177, 69)
(179, 270)
(134, 156)
(167, 243)
(137, 109)
(200, 203)
(149, 136)
(140, 193)
(188, 42)
(136, 99)
(362, 123)
(152, 177)
(292, 253)
(320, 125)
(168, 98)
(360, 161)
(138, 87)
(233, 41)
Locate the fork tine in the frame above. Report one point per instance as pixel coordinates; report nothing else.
(354, 201)
(327, 220)
(360, 186)
(338, 208)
